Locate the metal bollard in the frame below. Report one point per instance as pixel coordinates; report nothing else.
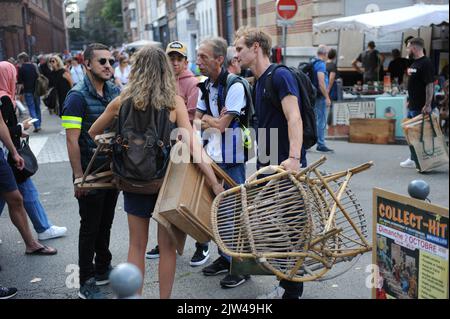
(419, 189)
(126, 279)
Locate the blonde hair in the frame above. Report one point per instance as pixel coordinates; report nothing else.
(59, 63)
(252, 35)
(151, 81)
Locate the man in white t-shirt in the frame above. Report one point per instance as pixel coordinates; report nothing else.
(218, 114)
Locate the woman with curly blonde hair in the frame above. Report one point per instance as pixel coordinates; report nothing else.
(151, 88)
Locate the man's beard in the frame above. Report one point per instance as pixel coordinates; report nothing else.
(98, 77)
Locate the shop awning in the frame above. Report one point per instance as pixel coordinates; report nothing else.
(384, 22)
(141, 43)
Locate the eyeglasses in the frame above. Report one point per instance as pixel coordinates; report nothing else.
(103, 61)
(52, 61)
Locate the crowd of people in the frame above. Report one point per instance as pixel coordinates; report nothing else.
(94, 88)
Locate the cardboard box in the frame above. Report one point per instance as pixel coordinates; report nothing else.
(373, 131)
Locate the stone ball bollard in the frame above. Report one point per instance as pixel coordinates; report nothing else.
(126, 279)
(419, 189)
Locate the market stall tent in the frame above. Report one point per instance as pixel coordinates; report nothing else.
(384, 22)
(140, 43)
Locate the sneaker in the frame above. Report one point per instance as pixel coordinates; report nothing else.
(52, 232)
(231, 281)
(89, 290)
(409, 163)
(201, 256)
(103, 279)
(6, 293)
(219, 266)
(153, 254)
(324, 149)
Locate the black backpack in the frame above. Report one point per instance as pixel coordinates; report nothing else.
(308, 69)
(307, 101)
(247, 118)
(141, 149)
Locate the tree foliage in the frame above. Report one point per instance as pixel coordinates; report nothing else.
(112, 12)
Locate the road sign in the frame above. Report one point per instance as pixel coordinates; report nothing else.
(287, 9)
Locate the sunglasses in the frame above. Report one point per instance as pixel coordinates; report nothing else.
(52, 61)
(103, 61)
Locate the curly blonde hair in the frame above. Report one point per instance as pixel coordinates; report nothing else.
(151, 81)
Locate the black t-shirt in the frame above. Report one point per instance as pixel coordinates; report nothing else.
(397, 69)
(370, 61)
(28, 76)
(420, 75)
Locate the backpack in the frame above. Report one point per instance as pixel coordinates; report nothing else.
(247, 118)
(308, 69)
(307, 100)
(141, 149)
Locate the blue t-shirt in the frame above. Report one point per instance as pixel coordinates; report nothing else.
(320, 66)
(269, 116)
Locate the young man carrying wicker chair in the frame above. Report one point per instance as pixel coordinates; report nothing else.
(253, 50)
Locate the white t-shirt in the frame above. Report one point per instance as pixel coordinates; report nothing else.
(77, 73)
(235, 101)
(123, 77)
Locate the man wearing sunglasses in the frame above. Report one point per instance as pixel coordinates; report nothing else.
(85, 102)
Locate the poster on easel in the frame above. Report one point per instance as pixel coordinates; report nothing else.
(411, 252)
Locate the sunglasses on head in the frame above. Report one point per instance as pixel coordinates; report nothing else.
(103, 61)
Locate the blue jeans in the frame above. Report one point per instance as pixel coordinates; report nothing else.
(237, 173)
(413, 113)
(321, 119)
(33, 206)
(34, 106)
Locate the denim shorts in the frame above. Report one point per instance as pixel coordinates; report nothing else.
(139, 205)
(7, 180)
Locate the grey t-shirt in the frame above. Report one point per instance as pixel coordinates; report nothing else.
(370, 61)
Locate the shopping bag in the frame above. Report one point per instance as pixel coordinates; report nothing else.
(426, 142)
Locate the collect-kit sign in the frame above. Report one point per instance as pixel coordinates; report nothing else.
(410, 248)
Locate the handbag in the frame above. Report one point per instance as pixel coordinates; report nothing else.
(426, 142)
(31, 164)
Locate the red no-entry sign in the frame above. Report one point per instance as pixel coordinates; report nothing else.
(287, 9)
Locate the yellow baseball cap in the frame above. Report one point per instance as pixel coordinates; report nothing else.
(178, 47)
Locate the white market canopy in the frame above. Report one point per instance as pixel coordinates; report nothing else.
(384, 22)
(141, 43)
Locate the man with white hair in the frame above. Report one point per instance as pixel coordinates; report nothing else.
(323, 101)
(232, 63)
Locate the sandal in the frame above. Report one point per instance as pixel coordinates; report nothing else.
(44, 250)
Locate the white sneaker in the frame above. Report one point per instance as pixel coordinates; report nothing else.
(52, 232)
(409, 163)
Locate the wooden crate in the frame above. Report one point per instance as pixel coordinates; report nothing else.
(373, 131)
(185, 200)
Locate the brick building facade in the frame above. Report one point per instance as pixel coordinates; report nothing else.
(33, 26)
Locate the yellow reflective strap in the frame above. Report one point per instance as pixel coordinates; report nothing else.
(72, 118)
(71, 122)
(70, 125)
